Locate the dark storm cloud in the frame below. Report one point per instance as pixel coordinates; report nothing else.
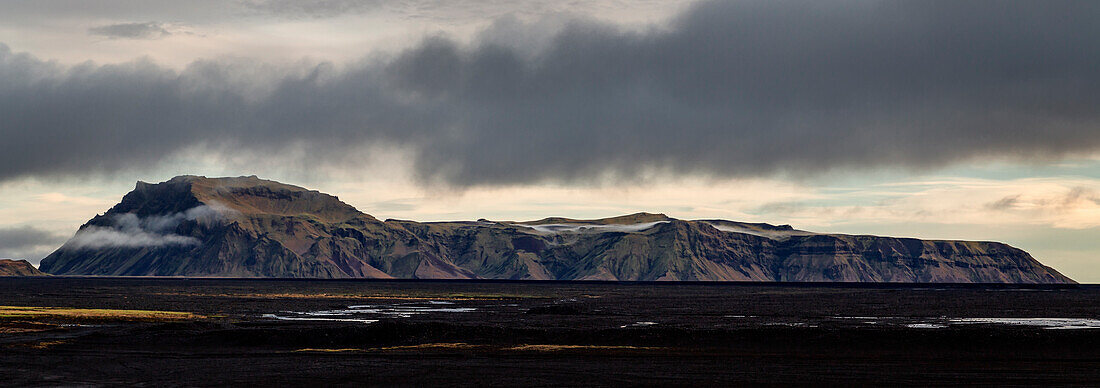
(25, 237)
(28, 243)
(148, 30)
(746, 88)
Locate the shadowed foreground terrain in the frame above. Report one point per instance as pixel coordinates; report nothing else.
(171, 332)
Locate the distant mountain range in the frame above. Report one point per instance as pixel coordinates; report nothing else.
(250, 227)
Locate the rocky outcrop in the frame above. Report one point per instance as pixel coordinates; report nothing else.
(10, 267)
(249, 227)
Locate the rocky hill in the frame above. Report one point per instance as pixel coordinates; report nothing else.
(249, 227)
(18, 268)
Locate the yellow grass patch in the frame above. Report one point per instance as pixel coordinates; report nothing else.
(45, 344)
(21, 312)
(21, 330)
(441, 345)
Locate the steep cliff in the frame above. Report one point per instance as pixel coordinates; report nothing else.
(249, 227)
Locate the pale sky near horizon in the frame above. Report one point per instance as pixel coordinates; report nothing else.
(969, 120)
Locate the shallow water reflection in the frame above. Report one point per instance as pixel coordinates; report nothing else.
(370, 313)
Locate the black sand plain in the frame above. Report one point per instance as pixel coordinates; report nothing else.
(498, 333)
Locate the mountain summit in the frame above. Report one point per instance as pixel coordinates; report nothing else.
(250, 227)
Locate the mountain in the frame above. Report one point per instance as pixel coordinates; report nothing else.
(10, 267)
(249, 227)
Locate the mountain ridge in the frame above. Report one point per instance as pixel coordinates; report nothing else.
(250, 227)
(9, 267)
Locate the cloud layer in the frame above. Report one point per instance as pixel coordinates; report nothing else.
(26, 242)
(1060, 202)
(147, 30)
(729, 89)
(310, 8)
(130, 231)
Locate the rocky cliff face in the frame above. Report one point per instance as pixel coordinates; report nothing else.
(248, 227)
(18, 268)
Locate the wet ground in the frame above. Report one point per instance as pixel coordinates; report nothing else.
(547, 334)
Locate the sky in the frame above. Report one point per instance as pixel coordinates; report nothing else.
(936, 119)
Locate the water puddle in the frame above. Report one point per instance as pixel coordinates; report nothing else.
(789, 324)
(925, 326)
(944, 322)
(370, 313)
(1046, 323)
(288, 318)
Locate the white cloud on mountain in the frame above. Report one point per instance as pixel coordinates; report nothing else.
(95, 237)
(131, 231)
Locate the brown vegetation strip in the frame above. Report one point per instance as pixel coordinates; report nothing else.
(23, 330)
(352, 296)
(427, 346)
(465, 346)
(555, 348)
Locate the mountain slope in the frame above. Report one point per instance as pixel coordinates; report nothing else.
(249, 227)
(10, 267)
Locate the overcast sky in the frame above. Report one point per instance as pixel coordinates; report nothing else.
(934, 119)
